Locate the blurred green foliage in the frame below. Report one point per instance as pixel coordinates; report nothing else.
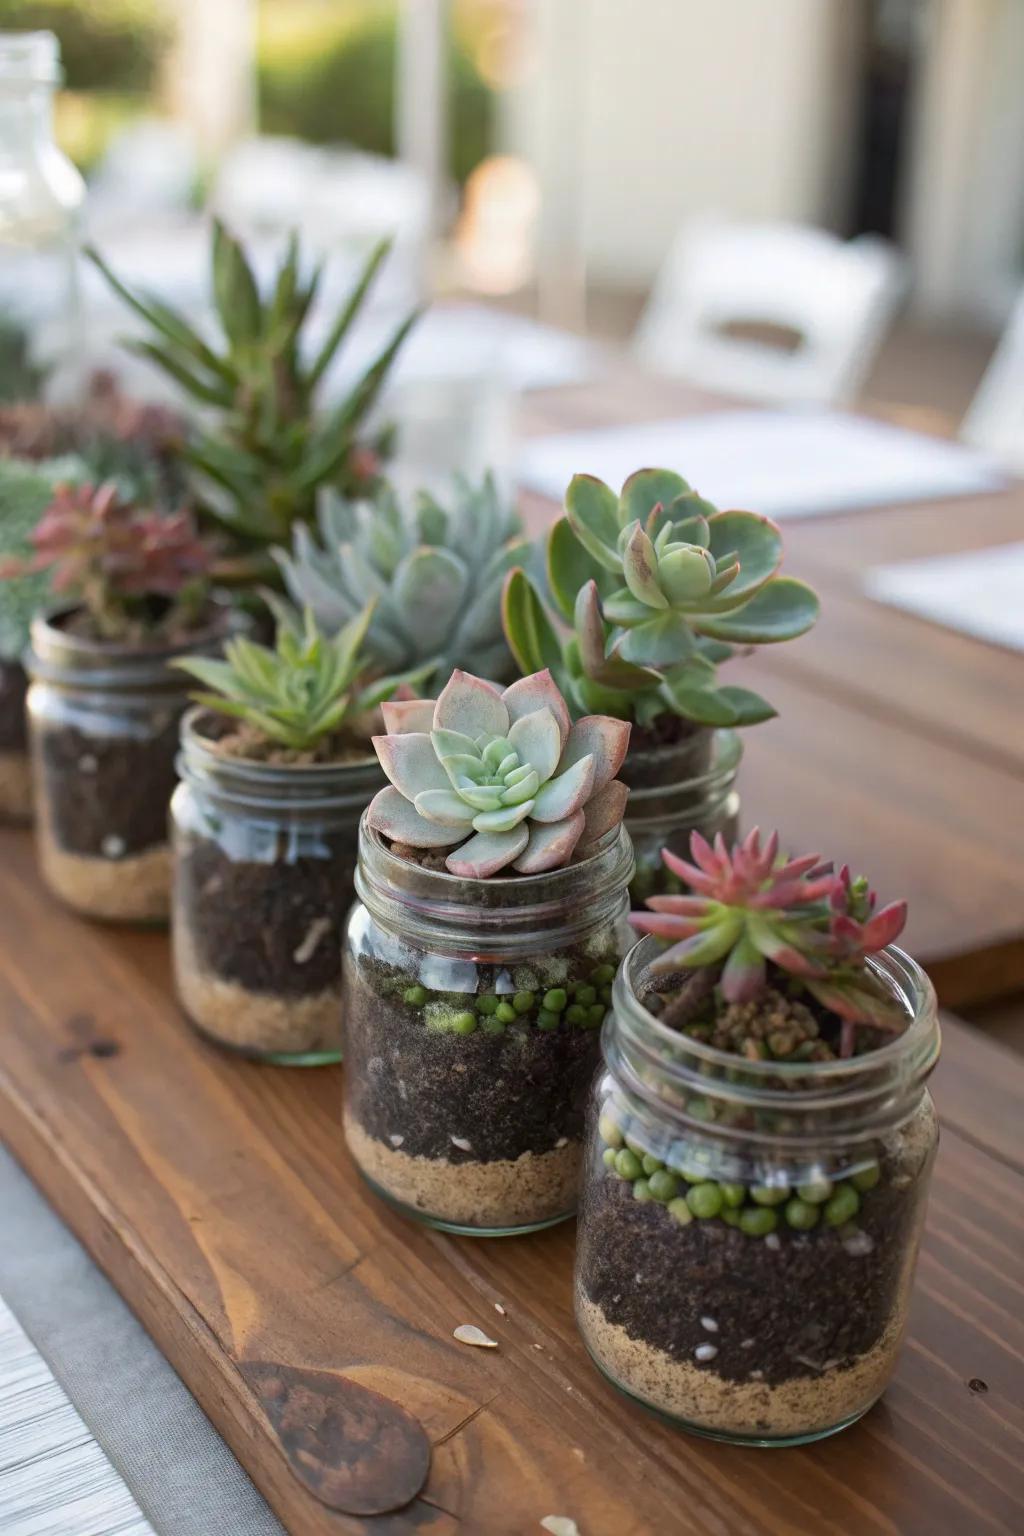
(106, 45)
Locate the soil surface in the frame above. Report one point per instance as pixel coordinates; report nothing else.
(107, 796)
(270, 927)
(665, 730)
(784, 1308)
(501, 1094)
(13, 687)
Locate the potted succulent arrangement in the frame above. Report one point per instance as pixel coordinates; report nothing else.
(435, 571)
(276, 770)
(760, 1149)
(265, 450)
(645, 595)
(103, 704)
(492, 880)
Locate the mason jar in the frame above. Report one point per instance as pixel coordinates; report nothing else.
(103, 727)
(472, 1013)
(15, 773)
(674, 790)
(749, 1229)
(264, 858)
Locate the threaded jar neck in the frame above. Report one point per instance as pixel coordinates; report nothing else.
(82, 664)
(693, 779)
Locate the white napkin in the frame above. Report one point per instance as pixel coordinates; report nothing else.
(980, 592)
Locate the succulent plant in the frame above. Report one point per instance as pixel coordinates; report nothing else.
(748, 908)
(659, 587)
(26, 490)
(260, 465)
(436, 573)
(115, 558)
(308, 687)
(502, 778)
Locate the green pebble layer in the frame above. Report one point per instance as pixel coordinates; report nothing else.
(580, 1004)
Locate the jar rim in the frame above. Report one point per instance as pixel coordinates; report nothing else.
(715, 782)
(30, 58)
(58, 656)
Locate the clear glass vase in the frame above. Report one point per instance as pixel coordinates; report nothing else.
(673, 791)
(749, 1229)
(264, 858)
(472, 1011)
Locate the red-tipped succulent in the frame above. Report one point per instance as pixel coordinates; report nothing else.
(748, 908)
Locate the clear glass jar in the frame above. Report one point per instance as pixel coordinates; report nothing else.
(749, 1229)
(15, 774)
(472, 1014)
(676, 790)
(103, 731)
(264, 858)
(41, 197)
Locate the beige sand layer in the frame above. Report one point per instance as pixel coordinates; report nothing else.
(15, 787)
(133, 889)
(254, 1021)
(697, 1396)
(536, 1187)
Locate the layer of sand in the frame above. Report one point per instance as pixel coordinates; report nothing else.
(15, 787)
(694, 1393)
(132, 889)
(536, 1187)
(259, 1022)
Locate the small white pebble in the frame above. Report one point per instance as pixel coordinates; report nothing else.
(563, 1141)
(462, 1144)
(757, 1375)
(747, 1344)
(858, 1244)
(560, 1525)
(87, 763)
(469, 1333)
(499, 1308)
(710, 1324)
(538, 1346)
(319, 929)
(396, 1141)
(705, 1351)
(403, 1092)
(773, 1241)
(112, 846)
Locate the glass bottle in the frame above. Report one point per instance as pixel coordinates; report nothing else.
(676, 790)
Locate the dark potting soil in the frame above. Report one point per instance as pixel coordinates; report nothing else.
(503, 1094)
(271, 927)
(107, 796)
(806, 1296)
(13, 687)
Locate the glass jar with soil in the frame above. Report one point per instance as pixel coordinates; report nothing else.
(103, 728)
(264, 856)
(678, 786)
(749, 1227)
(15, 773)
(472, 1019)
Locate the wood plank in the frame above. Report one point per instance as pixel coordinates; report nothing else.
(218, 1197)
(981, 1085)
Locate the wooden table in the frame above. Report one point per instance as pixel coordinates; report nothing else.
(218, 1197)
(899, 745)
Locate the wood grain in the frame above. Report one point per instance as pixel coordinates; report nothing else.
(218, 1197)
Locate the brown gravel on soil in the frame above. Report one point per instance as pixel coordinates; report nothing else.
(535, 1187)
(15, 787)
(254, 1021)
(133, 889)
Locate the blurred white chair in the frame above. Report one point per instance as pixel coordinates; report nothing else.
(149, 170)
(995, 418)
(838, 297)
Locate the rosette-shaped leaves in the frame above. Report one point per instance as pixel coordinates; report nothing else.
(748, 908)
(501, 778)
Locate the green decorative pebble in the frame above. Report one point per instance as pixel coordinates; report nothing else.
(733, 1194)
(506, 1013)
(492, 1025)
(555, 1000)
(765, 1194)
(842, 1206)
(730, 1215)
(680, 1211)
(523, 1002)
(602, 975)
(463, 1023)
(486, 1003)
(586, 995)
(664, 1186)
(642, 1190)
(705, 1200)
(866, 1178)
(609, 1131)
(606, 995)
(608, 1157)
(815, 1193)
(695, 1178)
(574, 1014)
(635, 1146)
(651, 1163)
(801, 1214)
(627, 1164)
(417, 996)
(758, 1220)
(546, 1020)
(595, 1015)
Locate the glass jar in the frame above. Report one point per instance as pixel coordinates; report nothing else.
(103, 731)
(472, 1017)
(41, 197)
(264, 857)
(749, 1229)
(676, 790)
(15, 774)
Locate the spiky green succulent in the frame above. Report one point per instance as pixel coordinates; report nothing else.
(659, 588)
(308, 687)
(265, 450)
(436, 572)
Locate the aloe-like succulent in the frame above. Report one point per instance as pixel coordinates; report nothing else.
(267, 450)
(115, 558)
(436, 572)
(747, 908)
(308, 687)
(502, 778)
(659, 587)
